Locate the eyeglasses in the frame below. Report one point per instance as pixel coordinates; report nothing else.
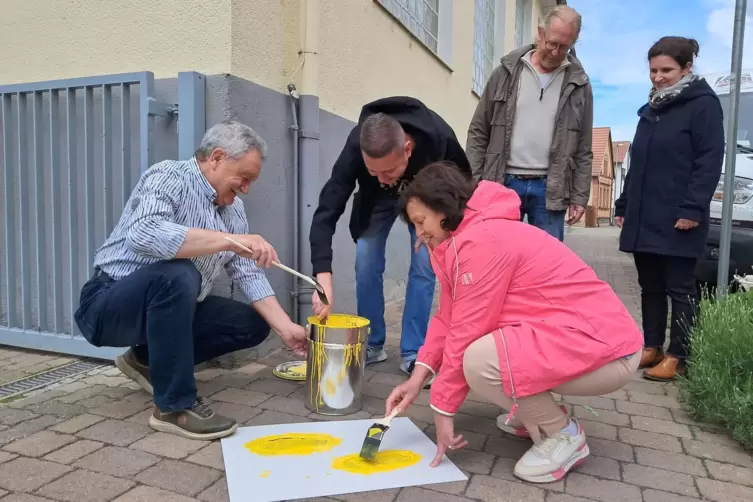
(551, 46)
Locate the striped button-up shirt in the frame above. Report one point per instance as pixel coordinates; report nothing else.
(170, 198)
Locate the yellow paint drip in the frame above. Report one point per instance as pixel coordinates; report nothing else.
(319, 354)
(385, 461)
(294, 443)
(265, 474)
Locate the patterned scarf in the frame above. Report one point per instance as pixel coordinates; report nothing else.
(659, 98)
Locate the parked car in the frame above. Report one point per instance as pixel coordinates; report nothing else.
(741, 250)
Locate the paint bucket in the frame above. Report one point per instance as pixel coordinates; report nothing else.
(336, 362)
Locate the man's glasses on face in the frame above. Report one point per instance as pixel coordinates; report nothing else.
(552, 46)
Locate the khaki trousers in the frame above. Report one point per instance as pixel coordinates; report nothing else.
(540, 413)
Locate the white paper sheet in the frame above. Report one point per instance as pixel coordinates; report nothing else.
(257, 478)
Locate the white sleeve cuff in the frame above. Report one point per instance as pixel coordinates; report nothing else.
(434, 373)
(445, 413)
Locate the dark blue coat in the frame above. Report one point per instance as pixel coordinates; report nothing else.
(675, 165)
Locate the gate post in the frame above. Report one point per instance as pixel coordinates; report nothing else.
(192, 118)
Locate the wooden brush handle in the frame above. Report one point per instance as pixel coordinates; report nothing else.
(276, 264)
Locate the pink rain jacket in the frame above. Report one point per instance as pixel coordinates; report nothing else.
(552, 318)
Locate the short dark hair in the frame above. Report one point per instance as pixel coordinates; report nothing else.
(682, 50)
(443, 188)
(381, 135)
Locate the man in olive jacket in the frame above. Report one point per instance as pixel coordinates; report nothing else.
(532, 127)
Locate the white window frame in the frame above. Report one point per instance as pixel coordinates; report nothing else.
(500, 12)
(484, 41)
(444, 25)
(524, 23)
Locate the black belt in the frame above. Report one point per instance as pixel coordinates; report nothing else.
(528, 176)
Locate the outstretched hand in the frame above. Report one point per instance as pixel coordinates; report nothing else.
(446, 438)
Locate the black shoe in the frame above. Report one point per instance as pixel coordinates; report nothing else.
(198, 422)
(133, 369)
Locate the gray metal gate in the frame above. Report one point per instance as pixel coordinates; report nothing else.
(71, 152)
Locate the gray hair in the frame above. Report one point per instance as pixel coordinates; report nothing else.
(381, 135)
(566, 14)
(233, 138)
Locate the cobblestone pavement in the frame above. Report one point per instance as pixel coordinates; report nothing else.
(87, 438)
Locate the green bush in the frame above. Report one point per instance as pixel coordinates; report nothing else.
(718, 384)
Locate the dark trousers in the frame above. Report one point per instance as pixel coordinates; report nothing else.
(155, 311)
(661, 276)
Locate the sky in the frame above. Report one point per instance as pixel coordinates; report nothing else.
(614, 42)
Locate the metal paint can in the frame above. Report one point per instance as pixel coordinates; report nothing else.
(336, 363)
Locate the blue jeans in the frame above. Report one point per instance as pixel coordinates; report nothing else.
(154, 310)
(532, 193)
(370, 265)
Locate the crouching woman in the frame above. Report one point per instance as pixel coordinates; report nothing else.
(520, 316)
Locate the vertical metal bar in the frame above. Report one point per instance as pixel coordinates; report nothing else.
(70, 113)
(125, 139)
(89, 173)
(107, 157)
(722, 277)
(146, 121)
(192, 122)
(57, 223)
(41, 210)
(10, 217)
(24, 211)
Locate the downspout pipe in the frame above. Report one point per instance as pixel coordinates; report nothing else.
(308, 165)
(294, 129)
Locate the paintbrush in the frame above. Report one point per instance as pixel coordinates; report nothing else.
(375, 434)
(318, 287)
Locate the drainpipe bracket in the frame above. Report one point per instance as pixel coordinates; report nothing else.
(162, 109)
(311, 135)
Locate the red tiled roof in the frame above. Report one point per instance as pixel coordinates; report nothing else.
(619, 150)
(602, 138)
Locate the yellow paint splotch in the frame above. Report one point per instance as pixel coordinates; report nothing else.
(385, 461)
(265, 474)
(294, 443)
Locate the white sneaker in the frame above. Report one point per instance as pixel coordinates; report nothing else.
(515, 427)
(552, 459)
(375, 355)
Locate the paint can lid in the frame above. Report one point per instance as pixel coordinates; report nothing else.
(291, 370)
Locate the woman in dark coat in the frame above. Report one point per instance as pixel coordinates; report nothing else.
(676, 163)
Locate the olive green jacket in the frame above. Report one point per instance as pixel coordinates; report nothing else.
(571, 158)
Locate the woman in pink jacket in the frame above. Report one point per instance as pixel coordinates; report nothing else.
(520, 316)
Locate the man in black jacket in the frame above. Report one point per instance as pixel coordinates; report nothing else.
(395, 138)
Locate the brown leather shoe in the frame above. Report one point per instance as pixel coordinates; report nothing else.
(650, 357)
(666, 370)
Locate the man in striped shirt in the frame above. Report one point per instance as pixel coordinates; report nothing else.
(152, 279)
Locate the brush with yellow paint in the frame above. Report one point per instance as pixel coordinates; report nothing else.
(375, 434)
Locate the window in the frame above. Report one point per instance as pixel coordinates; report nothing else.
(523, 11)
(483, 43)
(430, 21)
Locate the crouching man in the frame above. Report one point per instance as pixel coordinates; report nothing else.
(153, 275)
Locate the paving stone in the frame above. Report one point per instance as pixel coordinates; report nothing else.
(717, 452)
(122, 408)
(474, 408)
(180, 477)
(269, 417)
(599, 430)
(601, 467)
(149, 494)
(57, 408)
(253, 369)
(28, 428)
(6, 457)
(387, 379)
(28, 474)
(453, 487)
(731, 473)
(209, 456)
(168, 445)
(237, 412)
(644, 410)
(216, 493)
(359, 415)
(650, 477)
(714, 437)
(77, 423)
(465, 422)
(564, 497)
(277, 386)
(416, 494)
(601, 403)
(373, 496)
(604, 416)
(611, 449)
(13, 416)
(582, 485)
(509, 447)
(115, 432)
(661, 426)
(24, 497)
(670, 461)
(86, 486)
(491, 489)
(39, 397)
(141, 417)
(242, 397)
(38, 444)
(209, 388)
(73, 451)
(645, 387)
(472, 461)
(650, 440)
(475, 440)
(232, 379)
(122, 462)
(285, 405)
(658, 496)
(656, 400)
(82, 394)
(96, 401)
(682, 417)
(719, 491)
